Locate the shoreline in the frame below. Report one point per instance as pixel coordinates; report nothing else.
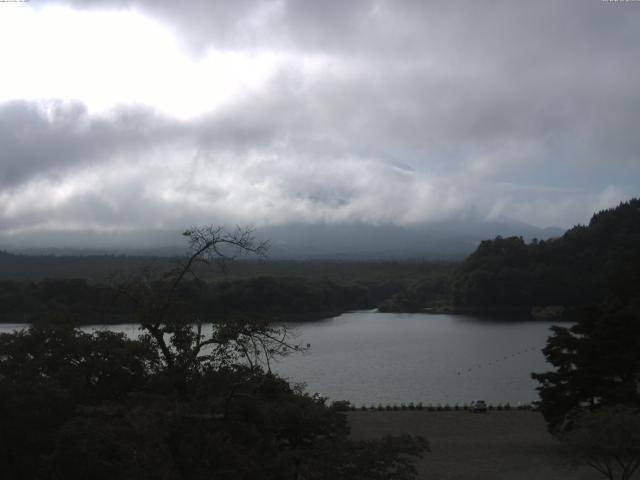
(108, 319)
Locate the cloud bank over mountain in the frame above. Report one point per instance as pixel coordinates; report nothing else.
(128, 117)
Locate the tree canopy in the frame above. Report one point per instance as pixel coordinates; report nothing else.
(596, 361)
(607, 440)
(580, 268)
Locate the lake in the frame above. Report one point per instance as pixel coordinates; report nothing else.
(371, 358)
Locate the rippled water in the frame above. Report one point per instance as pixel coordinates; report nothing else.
(376, 358)
(371, 358)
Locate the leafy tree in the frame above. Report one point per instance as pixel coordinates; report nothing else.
(607, 440)
(597, 363)
(578, 269)
(47, 372)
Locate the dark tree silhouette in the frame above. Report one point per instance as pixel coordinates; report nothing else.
(172, 322)
(580, 268)
(597, 363)
(607, 440)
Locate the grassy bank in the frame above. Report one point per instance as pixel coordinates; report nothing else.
(500, 445)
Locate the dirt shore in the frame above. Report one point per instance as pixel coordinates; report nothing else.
(499, 445)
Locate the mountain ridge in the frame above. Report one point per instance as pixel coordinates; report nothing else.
(323, 241)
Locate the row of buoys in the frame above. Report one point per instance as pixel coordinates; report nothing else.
(346, 406)
(506, 357)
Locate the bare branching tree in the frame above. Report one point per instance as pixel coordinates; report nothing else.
(174, 325)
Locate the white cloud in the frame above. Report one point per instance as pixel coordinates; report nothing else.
(107, 59)
(155, 114)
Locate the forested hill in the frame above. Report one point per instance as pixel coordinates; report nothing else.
(584, 266)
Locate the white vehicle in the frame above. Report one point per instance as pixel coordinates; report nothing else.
(479, 406)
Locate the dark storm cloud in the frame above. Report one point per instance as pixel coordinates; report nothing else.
(425, 78)
(49, 138)
(458, 71)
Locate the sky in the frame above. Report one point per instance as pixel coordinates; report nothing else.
(124, 118)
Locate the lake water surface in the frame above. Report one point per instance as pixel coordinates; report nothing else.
(370, 358)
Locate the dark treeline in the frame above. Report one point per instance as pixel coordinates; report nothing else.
(276, 298)
(99, 268)
(543, 277)
(273, 298)
(432, 291)
(33, 287)
(91, 267)
(580, 268)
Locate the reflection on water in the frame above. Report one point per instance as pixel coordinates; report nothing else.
(371, 358)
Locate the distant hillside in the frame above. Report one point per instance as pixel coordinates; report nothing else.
(91, 267)
(350, 251)
(445, 240)
(451, 240)
(583, 266)
(103, 268)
